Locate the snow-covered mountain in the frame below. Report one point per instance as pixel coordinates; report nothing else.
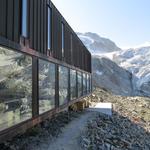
(135, 60)
(97, 44)
(106, 73)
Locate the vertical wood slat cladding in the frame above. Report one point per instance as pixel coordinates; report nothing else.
(31, 33)
(67, 45)
(39, 26)
(56, 34)
(35, 16)
(10, 28)
(17, 20)
(45, 27)
(10, 21)
(42, 27)
(3, 17)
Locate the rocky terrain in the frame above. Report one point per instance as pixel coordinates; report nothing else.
(127, 129)
(39, 137)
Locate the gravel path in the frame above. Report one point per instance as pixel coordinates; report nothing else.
(69, 139)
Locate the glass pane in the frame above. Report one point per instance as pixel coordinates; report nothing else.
(79, 84)
(15, 88)
(90, 84)
(46, 86)
(62, 39)
(63, 85)
(24, 18)
(88, 80)
(84, 83)
(49, 27)
(72, 84)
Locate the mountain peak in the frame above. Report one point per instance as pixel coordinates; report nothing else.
(97, 44)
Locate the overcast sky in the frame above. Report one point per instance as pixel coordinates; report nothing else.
(126, 22)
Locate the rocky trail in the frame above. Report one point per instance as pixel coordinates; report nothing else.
(70, 137)
(127, 129)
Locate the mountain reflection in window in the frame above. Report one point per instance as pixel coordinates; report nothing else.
(63, 85)
(79, 84)
(15, 88)
(88, 83)
(84, 83)
(46, 86)
(72, 84)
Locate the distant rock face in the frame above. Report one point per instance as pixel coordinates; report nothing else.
(97, 44)
(106, 73)
(136, 61)
(109, 75)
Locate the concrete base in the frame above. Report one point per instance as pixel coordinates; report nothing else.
(105, 108)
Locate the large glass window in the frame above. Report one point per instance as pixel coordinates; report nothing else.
(15, 88)
(49, 11)
(72, 84)
(62, 39)
(84, 83)
(79, 84)
(63, 85)
(46, 86)
(88, 83)
(24, 30)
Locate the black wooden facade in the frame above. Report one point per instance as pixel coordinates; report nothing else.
(10, 28)
(76, 56)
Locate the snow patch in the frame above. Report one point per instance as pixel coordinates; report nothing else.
(99, 73)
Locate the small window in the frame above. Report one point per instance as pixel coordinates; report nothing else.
(62, 39)
(24, 31)
(49, 29)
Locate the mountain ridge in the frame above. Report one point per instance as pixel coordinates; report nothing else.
(96, 43)
(134, 60)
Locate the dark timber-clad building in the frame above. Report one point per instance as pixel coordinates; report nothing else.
(44, 67)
